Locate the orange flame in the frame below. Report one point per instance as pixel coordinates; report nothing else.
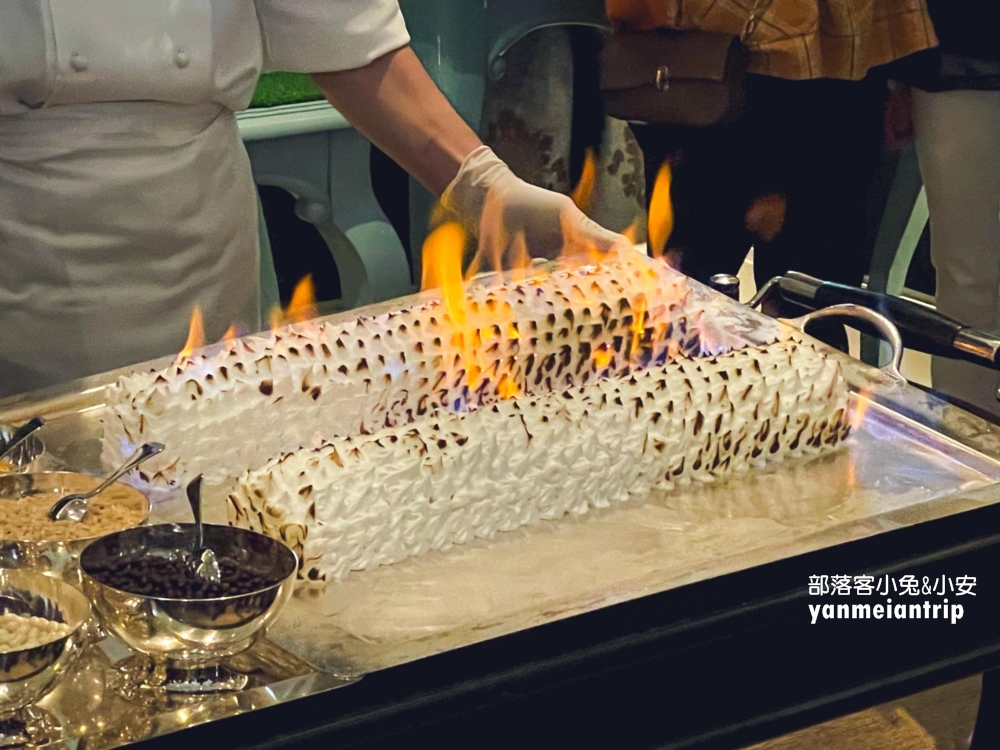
(301, 307)
(584, 189)
(231, 333)
(602, 357)
(442, 268)
(474, 373)
(196, 334)
(661, 213)
(488, 257)
(493, 238)
(631, 232)
(507, 388)
(861, 404)
(275, 318)
(578, 248)
(520, 259)
(638, 324)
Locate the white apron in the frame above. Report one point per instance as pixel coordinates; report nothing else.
(116, 219)
(125, 192)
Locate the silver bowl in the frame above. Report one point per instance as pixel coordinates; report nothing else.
(26, 674)
(25, 454)
(189, 631)
(42, 489)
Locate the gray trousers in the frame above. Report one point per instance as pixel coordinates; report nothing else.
(958, 145)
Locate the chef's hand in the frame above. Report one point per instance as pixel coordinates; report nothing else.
(496, 206)
(396, 105)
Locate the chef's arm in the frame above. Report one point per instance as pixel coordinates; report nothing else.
(394, 102)
(399, 108)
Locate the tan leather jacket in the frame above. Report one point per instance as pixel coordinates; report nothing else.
(796, 39)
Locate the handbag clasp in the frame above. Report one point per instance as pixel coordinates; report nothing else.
(662, 78)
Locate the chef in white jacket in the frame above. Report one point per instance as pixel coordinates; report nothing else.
(125, 192)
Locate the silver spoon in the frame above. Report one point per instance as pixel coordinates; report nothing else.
(74, 507)
(20, 435)
(208, 565)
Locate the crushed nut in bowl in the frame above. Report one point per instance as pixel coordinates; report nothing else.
(25, 500)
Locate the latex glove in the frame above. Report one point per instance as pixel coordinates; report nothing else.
(498, 207)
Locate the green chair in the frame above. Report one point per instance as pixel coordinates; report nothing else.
(449, 38)
(899, 232)
(509, 21)
(301, 144)
(307, 148)
(270, 296)
(462, 43)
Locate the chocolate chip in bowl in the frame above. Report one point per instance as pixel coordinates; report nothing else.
(145, 587)
(176, 578)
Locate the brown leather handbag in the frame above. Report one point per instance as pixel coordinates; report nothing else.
(674, 77)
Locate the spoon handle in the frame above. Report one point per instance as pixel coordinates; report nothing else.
(194, 497)
(146, 451)
(20, 434)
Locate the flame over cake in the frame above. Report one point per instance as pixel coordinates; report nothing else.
(232, 406)
(363, 439)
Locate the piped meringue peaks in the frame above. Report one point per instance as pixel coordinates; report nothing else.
(233, 405)
(360, 501)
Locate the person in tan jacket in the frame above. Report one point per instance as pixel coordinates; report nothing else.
(791, 177)
(796, 39)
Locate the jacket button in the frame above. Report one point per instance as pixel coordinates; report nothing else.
(182, 59)
(78, 62)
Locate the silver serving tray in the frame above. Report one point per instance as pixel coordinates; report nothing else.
(24, 454)
(911, 458)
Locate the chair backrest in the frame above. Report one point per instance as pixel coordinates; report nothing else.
(902, 224)
(269, 295)
(899, 232)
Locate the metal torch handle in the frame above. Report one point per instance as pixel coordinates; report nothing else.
(922, 328)
(877, 321)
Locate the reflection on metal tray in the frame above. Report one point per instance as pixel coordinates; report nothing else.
(911, 458)
(21, 457)
(892, 472)
(103, 699)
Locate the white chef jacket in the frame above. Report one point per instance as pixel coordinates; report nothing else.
(125, 193)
